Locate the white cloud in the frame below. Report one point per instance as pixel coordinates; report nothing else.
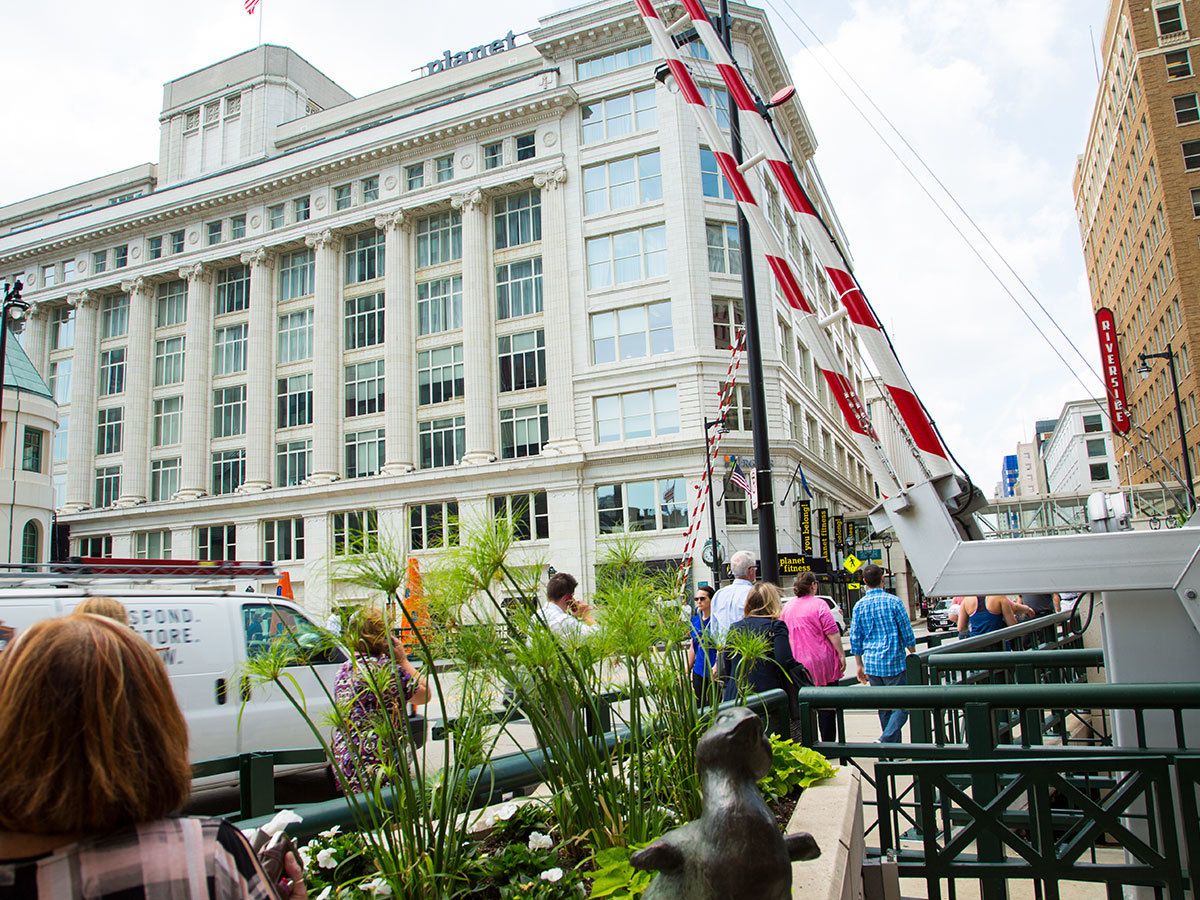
(997, 96)
(970, 88)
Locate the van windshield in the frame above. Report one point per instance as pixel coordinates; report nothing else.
(265, 625)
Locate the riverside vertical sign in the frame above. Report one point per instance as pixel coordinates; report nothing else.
(1114, 378)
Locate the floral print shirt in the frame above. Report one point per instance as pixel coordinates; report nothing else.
(361, 683)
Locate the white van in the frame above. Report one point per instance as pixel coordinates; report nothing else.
(205, 639)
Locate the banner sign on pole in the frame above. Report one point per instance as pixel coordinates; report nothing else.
(839, 532)
(806, 535)
(754, 487)
(823, 532)
(1114, 378)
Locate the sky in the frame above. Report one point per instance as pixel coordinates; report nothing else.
(995, 97)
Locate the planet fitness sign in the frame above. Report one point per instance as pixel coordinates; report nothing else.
(1114, 379)
(453, 60)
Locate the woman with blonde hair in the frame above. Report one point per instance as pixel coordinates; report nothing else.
(376, 680)
(103, 606)
(762, 612)
(94, 772)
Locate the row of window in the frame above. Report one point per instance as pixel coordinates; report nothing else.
(649, 505)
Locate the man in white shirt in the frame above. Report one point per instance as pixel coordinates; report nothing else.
(565, 616)
(729, 604)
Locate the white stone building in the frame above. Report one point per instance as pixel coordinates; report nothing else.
(1079, 455)
(508, 284)
(27, 429)
(1031, 472)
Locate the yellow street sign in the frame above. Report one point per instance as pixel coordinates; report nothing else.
(852, 564)
(854, 586)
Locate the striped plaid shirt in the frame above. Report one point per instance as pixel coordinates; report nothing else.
(180, 859)
(879, 632)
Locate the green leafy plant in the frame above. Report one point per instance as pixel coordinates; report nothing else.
(615, 877)
(413, 809)
(336, 859)
(794, 766)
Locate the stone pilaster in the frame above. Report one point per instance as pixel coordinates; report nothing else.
(197, 381)
(81, 442)
(479, 335)
(37, 322)
(139, 368)
(260, 373)
(327, 357)
(400, 371)
(556, 305)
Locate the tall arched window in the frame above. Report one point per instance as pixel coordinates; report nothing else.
(31, 542)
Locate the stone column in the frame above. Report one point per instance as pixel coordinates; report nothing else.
(556, 304)
(479, 316)
(327, 358)
(35, 344)
(139, 371)
(260, 373)
(81, 442)
(400, 373)
(197, 381)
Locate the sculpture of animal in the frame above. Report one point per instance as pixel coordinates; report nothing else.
(734, 851)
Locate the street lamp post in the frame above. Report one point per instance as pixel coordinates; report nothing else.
(1144, 371)
(719, 424)
(12, 304)
(767, 538)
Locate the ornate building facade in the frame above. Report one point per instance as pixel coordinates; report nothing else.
(508, 286)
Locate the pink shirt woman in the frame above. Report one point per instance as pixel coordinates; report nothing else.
(812, 631)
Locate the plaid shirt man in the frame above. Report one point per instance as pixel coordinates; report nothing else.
(880, 631)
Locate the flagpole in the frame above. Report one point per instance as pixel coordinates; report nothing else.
(262, 5)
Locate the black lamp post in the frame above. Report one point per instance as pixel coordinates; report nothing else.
(1145, 371)
(14, 307)
(718, 424)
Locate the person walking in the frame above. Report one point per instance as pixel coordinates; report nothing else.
(1042, 604)
(762, 613)
(880, 632)
(729, 603)
(702, 656)
(816, 643)
(375, 682)
(566, 616)
(983, 615)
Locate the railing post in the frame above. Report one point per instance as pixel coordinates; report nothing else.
(981, 743)
(256, 784)
(1031, 719)
(920, 722)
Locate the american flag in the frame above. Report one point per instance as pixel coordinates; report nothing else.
(738, 478)
(252, 5)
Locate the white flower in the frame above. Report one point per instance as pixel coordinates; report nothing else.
(325, 894)
(506, 812)
(326, 835)
(305, 856)
(377, 887)
(281, 821)
(325, 858)
(539, 841)
(552, 875)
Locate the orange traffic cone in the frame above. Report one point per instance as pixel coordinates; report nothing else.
(283, 587)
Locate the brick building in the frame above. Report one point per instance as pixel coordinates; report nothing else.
(1137, 196)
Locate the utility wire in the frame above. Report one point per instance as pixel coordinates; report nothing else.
(1088, 365)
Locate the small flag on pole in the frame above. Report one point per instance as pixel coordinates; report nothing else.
(804, 481)
(738, 478)
(252, 5)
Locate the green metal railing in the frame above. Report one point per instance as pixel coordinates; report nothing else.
(1000, 791)
(500, 776)
(1109, 820)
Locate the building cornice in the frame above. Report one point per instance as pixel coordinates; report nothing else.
(542, 107)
